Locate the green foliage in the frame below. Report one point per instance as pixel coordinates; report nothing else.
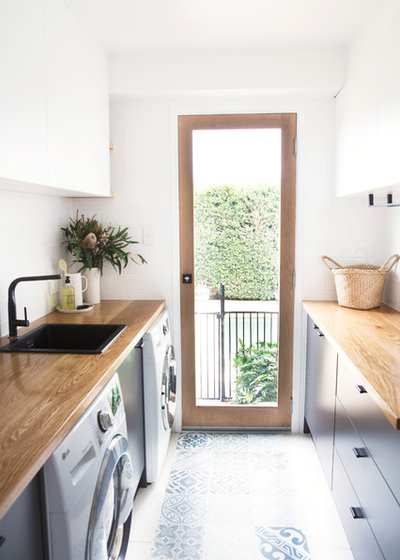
(90, 244)
(237, 241)
(257, 379)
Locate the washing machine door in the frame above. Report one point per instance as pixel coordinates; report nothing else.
(109, 522)
(168, 388)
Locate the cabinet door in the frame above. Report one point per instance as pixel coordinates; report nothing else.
(21, 528)
(362, 541)
(378, 504)
(356, 132)
(131, 378)
(380, 437)
(389, 108)
(77, 104)
(320, 395)
(22, 92)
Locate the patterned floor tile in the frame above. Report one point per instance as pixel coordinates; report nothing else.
(184, 480)
(195, 440)
(229, 461)
(226, 483)
(272, 482)
(178, 542)
(185, 508)
(285, 543)
(226, 441)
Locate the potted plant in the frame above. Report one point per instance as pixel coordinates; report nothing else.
(91, 245)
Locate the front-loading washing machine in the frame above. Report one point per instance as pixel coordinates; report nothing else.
(159, 386)
(88, 487)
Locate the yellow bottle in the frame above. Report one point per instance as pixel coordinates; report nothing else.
(68, 295)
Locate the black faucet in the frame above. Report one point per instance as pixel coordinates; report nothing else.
(13, 322)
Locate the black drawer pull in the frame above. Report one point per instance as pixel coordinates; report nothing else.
(360, 452)
(361, 389)
(356, 513)
(315, 326)
(320, 333)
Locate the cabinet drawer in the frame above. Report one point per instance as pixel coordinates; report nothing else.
(377, 501)
(358, 531)
(379, 436)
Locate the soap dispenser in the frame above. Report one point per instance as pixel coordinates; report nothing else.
(68, 295)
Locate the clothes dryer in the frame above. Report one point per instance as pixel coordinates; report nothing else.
(159, 385)
(88, 485)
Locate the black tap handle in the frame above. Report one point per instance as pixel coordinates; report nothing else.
(26, 317)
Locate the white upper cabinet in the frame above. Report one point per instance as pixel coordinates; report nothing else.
(389, 108)
(356, 132)
(77, 104)
(54, 132)
(368, 122)
(23, 142)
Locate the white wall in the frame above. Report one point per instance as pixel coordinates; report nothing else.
(373, 33)
(391, 245)
(222, 71)
(144, 179)
(30, 244)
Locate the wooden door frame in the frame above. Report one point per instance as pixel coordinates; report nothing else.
(240, 415)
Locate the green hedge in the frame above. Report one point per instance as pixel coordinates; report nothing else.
(237, 241)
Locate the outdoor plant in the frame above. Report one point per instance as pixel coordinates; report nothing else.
(91, 244)
(257, 379)
(237, 241)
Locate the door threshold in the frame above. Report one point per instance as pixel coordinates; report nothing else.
(235, 429)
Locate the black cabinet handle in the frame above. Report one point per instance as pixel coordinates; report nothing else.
(360, 452)
(315, 326)
(361, 389)
(356, 512)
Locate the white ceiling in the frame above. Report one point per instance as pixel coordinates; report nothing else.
(132, 25)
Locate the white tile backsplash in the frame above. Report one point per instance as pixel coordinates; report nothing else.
(30, 244)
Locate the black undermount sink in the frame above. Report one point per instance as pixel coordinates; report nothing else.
(66, 339)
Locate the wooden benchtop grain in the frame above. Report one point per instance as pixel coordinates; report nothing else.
(370, 341)
(43, 395)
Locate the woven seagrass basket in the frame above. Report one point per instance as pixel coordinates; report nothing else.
(360, 286)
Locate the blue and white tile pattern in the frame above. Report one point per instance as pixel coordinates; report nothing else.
(226, 498)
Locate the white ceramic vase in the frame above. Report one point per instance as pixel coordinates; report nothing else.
(92, 294)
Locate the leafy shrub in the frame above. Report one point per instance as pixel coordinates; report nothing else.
(237, 241)
(257, 379)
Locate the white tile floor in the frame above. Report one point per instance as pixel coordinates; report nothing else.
(296, 495)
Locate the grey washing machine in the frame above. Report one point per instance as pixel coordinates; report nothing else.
(88, 484)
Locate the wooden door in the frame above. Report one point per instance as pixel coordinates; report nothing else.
(279, 414)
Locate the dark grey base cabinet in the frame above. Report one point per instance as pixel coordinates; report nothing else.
(320, 395)
(358, 446)
(22, 533)
(131, 377)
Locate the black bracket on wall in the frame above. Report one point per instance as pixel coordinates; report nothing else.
(389, 202)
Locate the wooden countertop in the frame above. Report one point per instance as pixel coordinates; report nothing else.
(43, 395)
(370, 340)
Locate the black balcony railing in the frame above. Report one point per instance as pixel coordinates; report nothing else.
(218, 337)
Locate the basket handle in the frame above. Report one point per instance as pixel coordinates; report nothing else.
(325, 258)
(395, 258)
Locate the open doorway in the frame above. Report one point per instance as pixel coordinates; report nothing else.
(237, 218)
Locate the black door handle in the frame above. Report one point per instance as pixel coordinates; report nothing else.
(356, 512)
(360, 452)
